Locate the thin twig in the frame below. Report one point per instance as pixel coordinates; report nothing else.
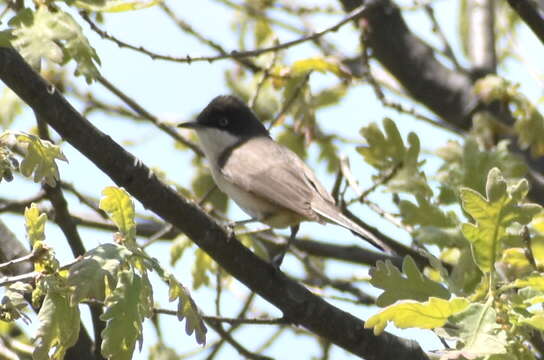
(147, 115)
(218, 292)
(262, 81)
(271, 339)
(28, 277)
(158, 235)
(235, 344)
(287, 104)
(381, 181)
(228, 320)
(20, 205)
(355, 14)
(448, 51)
(365, 57)
(241, 314)
(526, 236)
(338, 285)
(27, 257)
(84, 199)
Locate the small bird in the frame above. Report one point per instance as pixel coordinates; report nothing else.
(267, 180)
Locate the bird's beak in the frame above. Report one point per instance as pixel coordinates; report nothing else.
(190, 125)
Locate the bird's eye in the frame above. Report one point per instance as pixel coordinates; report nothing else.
(223, 122)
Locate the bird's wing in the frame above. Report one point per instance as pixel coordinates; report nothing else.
(276, 174)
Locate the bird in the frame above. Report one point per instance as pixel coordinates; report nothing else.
(267, 180)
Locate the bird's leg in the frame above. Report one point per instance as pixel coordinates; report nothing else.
(278, 259)
(232, 224)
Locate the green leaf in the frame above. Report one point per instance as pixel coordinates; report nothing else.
(161, 351)
(35, 224)
(412, 314)
(535, 282)
(8, 163)
(536, 321)
(125, 310)
(115, 5)
(330, 96)
(40, 158)
(386, 152)
(468, 166)
(477, 329)
(187, 310)
(328, 151)
(426, 214)
(10, 107)
(263, 31)
(55, 36)
(178, 247)
(411, 284)
(322, 65)
(293, 141)
(202, 266)
(13, 302)
(120, 208)
(58, 329)
(529, 122)
(466, 275)
(493, 216)
(89, 276)
(442, 237)
(202, 183)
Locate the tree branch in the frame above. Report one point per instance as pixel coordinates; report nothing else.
(298, 304)
(532, 13)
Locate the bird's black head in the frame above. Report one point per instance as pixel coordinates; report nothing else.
(229, 113)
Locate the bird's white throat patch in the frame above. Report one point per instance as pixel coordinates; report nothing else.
(214, 142)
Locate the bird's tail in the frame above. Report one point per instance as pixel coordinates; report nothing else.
(331, 213)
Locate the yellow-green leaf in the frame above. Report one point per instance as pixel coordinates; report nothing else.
(98, 268)
(40, 158)
(10, 107)
(536, 321)
(202, 266)
(58, 329)
(115, 5)
(56, 36)
(535, 282)
(478, 330)
(386, 152)
(411, 284)
(125, 310)
(322, 65)
(120, 208)
(35, 224)
(493, 215)
(412, 314)
(187, 310)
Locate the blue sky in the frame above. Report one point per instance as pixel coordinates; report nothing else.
(176, 92)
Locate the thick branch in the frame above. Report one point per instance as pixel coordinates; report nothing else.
(532, 12)
(444, 91)
(298, 304)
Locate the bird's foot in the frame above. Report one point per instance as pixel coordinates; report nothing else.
(277, 260)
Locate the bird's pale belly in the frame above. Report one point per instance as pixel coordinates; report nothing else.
(256, 207)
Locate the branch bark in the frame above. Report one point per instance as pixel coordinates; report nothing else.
(446, 92)
(297, 303)
(532, 12)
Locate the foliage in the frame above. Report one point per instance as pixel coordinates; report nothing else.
(474, 273)
(482, 323)
(55, 36)
(39, 156)
(113, 274)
